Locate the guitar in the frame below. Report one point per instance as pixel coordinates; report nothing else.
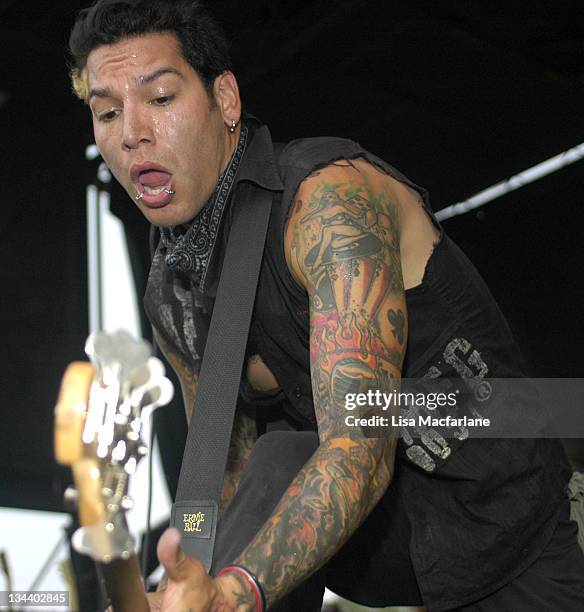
(99, 417)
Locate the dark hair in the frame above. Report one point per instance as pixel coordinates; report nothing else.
(202, 42)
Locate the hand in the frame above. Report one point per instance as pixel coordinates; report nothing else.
(189, 587)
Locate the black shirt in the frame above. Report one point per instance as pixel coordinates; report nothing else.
(477, 514)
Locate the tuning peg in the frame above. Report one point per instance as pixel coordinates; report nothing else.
(70, 499)
(127, 502)
(120, 419)
(133, 436)
(142, 450)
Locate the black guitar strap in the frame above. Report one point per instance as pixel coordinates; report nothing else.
(195, 510)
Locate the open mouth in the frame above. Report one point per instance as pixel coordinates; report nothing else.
(154, 184)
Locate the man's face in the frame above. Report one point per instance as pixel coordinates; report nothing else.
(157, 128)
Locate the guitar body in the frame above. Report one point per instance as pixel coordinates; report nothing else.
(98, 418)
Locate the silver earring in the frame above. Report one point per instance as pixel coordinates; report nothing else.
(232, 126)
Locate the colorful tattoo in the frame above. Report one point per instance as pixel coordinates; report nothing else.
(344, 241)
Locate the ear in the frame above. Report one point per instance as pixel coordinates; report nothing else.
(226, 92)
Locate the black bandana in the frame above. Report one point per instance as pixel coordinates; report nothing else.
(191, 251)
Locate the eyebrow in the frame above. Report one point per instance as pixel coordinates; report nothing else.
(106, 92)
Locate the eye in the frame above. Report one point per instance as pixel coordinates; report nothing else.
(107, 115)
(162, 100)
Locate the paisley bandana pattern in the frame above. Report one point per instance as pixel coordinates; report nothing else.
(189, 250)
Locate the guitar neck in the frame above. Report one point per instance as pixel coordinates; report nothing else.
(123, 585)
(98, 421)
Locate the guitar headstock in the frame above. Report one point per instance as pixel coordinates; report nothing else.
(99, 418)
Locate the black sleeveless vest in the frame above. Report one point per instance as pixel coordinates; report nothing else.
(479, 513)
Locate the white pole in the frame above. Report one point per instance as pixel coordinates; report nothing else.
(94, 288)
(93, 259)
(515, 182)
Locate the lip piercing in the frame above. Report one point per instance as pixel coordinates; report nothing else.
(141, 195)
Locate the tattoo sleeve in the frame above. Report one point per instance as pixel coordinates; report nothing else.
(342, 243)
(244, 432)
(188, 376)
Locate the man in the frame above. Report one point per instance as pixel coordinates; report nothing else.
(359, 286)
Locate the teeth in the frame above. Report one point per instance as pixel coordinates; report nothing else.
(154, 190)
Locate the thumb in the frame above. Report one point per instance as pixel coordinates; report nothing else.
(174, 560)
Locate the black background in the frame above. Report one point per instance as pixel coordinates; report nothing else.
(457, 95)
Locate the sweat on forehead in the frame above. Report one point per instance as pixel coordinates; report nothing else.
(137, 61)
(92, 72)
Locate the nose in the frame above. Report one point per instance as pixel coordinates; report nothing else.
(136, 129)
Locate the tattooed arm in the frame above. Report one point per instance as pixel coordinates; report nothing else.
(244, 432)
(342, 244)
(187, 376)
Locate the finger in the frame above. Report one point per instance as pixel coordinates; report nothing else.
(162, 584)
(155, 601)
(177, 565)
(170, 554)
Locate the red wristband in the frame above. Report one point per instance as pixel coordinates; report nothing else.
(252, 581)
